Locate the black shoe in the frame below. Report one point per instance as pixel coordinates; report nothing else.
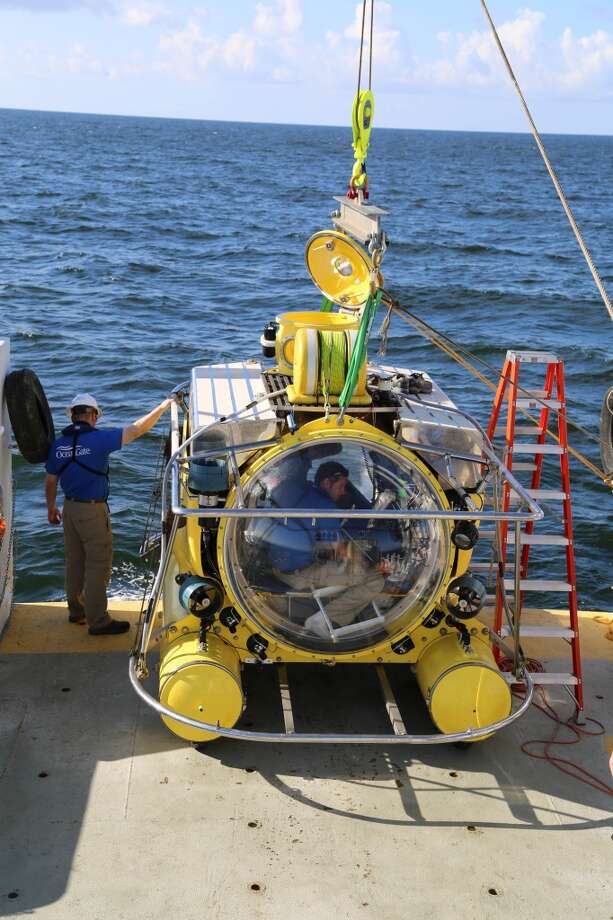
(77, 618)
(114, 628)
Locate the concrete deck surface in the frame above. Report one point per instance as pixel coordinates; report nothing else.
(105, 814)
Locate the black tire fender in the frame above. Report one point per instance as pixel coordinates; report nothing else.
(30, 415)
(606, 432)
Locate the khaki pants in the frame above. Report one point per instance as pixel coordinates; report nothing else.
(361, 586)
(88, 542)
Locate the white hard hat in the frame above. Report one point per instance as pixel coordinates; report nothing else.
(84, 399)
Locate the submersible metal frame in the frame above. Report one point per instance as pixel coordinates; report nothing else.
(138, 670)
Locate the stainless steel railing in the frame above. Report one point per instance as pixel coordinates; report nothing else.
(179, 462)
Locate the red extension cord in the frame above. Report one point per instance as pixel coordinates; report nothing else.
(560, 763)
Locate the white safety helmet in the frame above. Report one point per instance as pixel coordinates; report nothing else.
(83, 399)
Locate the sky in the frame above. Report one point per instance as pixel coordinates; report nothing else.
(295, 61)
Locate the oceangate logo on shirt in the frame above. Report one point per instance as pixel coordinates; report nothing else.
(65, 452)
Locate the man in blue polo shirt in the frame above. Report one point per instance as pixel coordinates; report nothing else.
(79, 461)
(326, 553)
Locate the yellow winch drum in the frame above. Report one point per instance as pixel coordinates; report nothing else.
(462, 689)
(321, 363)
(289, 323)
(202, 683)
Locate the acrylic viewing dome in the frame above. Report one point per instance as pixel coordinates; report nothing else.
(335, 585)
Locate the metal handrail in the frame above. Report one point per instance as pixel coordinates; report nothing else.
(178, 457)
(535, 512)
(240, 734)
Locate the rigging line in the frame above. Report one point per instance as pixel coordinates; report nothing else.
(372, 20)
(550, 169)
(453, 353)
(496, 373)
(361, 47)
(431, 333)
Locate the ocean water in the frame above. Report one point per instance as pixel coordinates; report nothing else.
(132, 249)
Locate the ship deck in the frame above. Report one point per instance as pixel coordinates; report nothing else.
(106, 814)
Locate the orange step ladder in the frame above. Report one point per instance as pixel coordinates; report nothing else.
(529, 456)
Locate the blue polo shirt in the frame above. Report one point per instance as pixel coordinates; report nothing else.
(87, 478)
(291, 544)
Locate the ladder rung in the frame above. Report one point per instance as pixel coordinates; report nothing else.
(519, 467)
(545, 678)
(531, 403)
(528, 539)
(540, 632)
(552, 495)
(520, 429)
(547, 494)
(533, 357)
(538, 584)
(533, 394)
(484, 567)
(537, 449)
(539, 539)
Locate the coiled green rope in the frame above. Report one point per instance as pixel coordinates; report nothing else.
(332, 362)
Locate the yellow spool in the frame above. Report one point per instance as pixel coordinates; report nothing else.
(462, 690)
(289, 323)
(339, 267)
(202, 684)
(308, 367)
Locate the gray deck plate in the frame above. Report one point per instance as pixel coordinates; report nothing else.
(132, 823)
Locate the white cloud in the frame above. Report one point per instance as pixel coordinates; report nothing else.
(573, 63)
(78, 61)
(55, 6)
(388, 63)
(281, 75)
(284, 18)
(239, 52)
(473, 58)
(586, 59)
(521, 36)
(333, 39)
(269, 46)
(144, 13)
(183, 41)
(187, 52)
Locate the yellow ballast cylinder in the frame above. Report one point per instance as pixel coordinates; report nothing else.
(462, 689)
(289, 323)
(321, 361)
(202, 683)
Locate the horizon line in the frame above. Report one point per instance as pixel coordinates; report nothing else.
(292, 124)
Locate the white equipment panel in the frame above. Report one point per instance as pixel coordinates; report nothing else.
(218, 392)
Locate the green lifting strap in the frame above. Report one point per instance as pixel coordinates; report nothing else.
(326, 305)
(359, 352)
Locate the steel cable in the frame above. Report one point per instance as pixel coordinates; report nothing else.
(454, 351)
(361, 48)
(550, 169)
(372, 20)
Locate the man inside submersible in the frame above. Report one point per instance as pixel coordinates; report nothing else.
(332, 559)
